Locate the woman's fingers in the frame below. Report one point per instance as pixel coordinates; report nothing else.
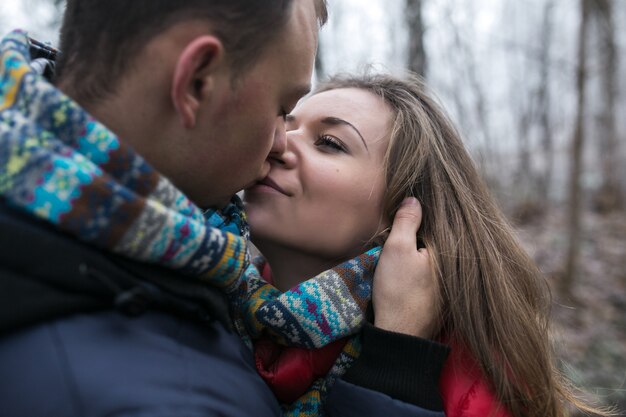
(406, 223)
(404, 290)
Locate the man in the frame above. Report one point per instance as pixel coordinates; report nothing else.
(113, 281)
(208, 91)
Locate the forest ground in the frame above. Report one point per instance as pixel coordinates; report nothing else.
(589, 326)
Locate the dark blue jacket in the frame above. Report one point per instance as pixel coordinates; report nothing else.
(89, 334)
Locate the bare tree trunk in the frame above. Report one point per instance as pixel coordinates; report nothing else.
(576, 170)
(526, 207)
(468, 77)
(543, 97)
(609, 197)
(415, 24)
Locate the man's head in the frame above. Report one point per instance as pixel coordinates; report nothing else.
(198, 87)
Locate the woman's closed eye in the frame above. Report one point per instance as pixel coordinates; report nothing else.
(330, 143)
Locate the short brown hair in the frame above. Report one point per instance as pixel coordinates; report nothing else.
(100, 39)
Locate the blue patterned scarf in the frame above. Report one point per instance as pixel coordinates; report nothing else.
(60, 165)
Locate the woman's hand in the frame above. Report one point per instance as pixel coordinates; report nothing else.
(404, 294)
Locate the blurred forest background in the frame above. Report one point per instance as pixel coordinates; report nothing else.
(538, 89)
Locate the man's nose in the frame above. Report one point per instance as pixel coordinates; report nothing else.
(287, 158)
(280, 138)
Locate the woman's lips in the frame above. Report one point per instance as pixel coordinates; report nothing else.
(268, 182)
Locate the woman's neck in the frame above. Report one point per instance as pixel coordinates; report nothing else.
(291, 267)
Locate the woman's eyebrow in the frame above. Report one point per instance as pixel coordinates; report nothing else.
(334, 121)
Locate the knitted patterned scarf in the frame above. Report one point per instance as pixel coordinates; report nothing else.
(311, 315)
(60, 165)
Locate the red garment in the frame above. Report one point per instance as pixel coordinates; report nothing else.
(464, 389)
(290, 371)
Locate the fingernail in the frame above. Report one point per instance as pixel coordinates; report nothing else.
(409, 201)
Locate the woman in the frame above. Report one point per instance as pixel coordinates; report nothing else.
(356, 148)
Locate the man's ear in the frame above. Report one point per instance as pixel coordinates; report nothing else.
(194, 75)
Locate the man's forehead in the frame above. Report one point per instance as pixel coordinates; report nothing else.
(293, 55)
(303, 22)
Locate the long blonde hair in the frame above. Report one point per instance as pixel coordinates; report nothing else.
(494, 300)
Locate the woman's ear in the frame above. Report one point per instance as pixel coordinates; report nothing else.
(194, 76)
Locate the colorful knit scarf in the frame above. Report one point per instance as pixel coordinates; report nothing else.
(311, 315)
(60, 165)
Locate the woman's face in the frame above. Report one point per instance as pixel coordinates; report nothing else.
(323, 196)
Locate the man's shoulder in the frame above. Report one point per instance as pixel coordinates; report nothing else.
(45, 273)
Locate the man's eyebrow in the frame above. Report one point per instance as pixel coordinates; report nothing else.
(334, 121)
